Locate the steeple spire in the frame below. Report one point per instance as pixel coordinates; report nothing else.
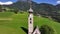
(30, 3)
(30, 10)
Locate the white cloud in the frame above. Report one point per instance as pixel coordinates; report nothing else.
(6, 3)
(58, 2)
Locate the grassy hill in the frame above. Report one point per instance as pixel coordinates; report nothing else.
(11, 23)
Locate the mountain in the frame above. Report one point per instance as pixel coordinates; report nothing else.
(22, 5)
(58, 7)
(42, 9)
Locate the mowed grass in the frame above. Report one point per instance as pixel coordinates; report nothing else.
(21, 20)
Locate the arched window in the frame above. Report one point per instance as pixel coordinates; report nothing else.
(30, 22)
(30, 19)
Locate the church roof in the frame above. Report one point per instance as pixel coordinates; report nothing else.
(36, 30)
(30, 10)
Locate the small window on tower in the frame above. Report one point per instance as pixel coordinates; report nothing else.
(30, 22)
(30, 19)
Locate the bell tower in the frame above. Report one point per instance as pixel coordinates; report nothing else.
(30, 21)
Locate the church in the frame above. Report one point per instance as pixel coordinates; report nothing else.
(31, 29)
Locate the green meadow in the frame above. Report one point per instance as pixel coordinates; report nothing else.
(11, 23)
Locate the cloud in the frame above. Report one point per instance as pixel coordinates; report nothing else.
(6, 3)
(58, 2)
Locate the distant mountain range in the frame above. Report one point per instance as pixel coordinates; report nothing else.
(24, 5)
(42, 8)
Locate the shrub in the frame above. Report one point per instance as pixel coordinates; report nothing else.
(45, 29)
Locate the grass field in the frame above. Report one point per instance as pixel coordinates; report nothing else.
(11, 23)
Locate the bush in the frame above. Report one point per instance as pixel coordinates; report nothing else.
(45, 29)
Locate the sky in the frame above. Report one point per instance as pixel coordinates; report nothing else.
(46, 1)
(8, 2)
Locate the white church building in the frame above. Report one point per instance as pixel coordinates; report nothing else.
(31, 29)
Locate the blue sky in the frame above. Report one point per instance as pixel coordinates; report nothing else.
(38, 1)
(46, 1)
(8, 0)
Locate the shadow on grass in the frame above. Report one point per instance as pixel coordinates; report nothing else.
(25, 30)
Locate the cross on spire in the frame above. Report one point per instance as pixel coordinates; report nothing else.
(30, 1)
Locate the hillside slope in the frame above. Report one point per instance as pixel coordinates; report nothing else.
(17, 21)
